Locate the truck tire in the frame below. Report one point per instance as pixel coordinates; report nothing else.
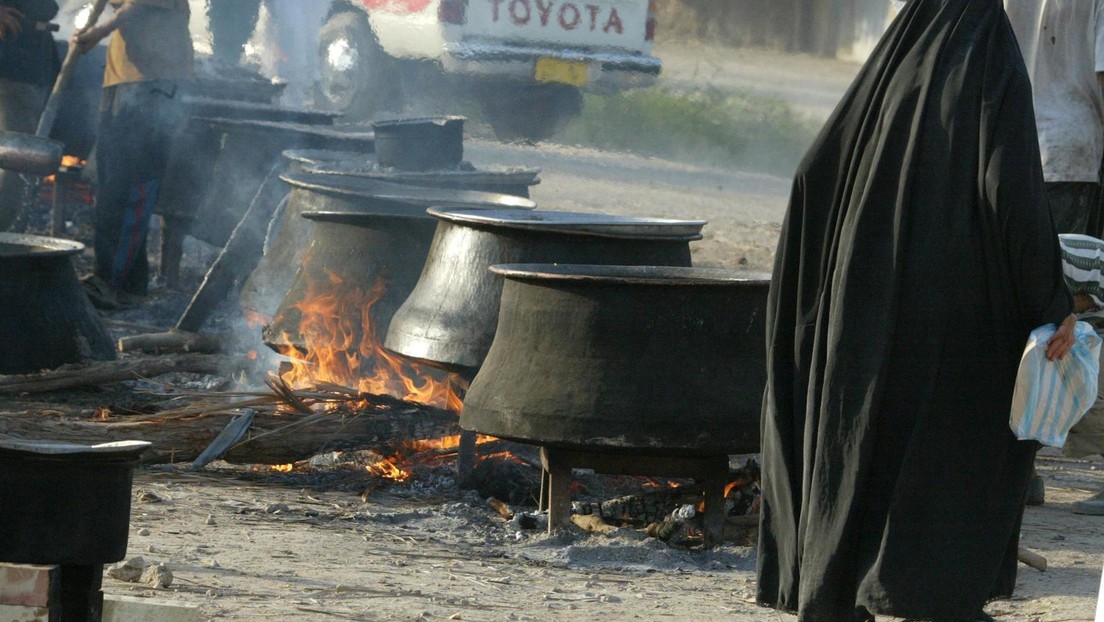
(356, 77)
(531, 113)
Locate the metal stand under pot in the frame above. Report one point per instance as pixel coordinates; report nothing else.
(642, 370)
(69, 506)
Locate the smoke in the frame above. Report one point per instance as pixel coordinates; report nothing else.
(284, 46)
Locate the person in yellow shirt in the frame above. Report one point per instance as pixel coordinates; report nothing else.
(149, 59)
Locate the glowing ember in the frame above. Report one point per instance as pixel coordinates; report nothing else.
(254, 319)
(282, 468)
(388, 470)
(343, 348)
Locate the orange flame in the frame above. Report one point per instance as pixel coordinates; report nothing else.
(255, 319)
(335, 315)
(388, 470)
(282, 468)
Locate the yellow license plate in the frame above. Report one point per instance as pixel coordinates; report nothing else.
(562, 71)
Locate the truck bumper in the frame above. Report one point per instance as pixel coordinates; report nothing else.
(606, 71)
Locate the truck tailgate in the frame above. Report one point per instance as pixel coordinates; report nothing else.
(610, 24)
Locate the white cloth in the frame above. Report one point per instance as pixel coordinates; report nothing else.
(1063, 46)
(1083, 266)
(1052, 396)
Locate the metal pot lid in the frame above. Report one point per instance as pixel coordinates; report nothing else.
(631, 275)
(404, 193)
(464, 172)
(329, 157)
(20, 244)
(53, 448)
(604, 225)
(413, 122)
(211, 107)
(337, 132)
(360, 218)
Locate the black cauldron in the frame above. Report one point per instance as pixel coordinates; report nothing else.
(420, 144)
(47, 319)
(649, 360)
(65, 504)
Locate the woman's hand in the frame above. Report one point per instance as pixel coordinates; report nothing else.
(1059, 345)
(11, 22)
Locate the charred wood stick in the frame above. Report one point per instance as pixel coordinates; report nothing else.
(107, 372)
(643, 508)
(274, 438)
(171, 341)
(1033, 559)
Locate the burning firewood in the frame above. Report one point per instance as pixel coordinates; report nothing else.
(289, 425)
(172, 341)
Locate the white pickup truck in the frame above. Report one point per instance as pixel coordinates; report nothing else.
(525, 61)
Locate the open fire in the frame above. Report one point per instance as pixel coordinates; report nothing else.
(342, 348)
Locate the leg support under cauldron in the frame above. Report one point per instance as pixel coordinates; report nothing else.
(710, 472)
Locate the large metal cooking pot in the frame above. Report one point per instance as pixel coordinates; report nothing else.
(356, 250)
(47, 319)
(65, 503)
(267, 286)
(664, 361)
(449, 320)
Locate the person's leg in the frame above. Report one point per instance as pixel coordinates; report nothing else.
(137, 123)
(231, 23)
(20, 107)
(112, 163)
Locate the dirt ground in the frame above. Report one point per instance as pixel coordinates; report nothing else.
(255, 550)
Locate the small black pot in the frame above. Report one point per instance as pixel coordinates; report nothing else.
(65, 504)
(46, 319)
(420, 144)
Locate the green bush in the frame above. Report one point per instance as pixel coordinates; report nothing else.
(741, 129)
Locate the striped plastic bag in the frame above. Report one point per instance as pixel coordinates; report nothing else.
(1052, 396)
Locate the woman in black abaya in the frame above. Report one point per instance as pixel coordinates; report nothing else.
(916, 256)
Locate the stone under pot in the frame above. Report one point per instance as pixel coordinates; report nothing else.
(290, 234)
(648, 360)
(47, 319)
(450, 318)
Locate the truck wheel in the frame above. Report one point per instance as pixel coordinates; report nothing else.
(357, 78)
(531, 113)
